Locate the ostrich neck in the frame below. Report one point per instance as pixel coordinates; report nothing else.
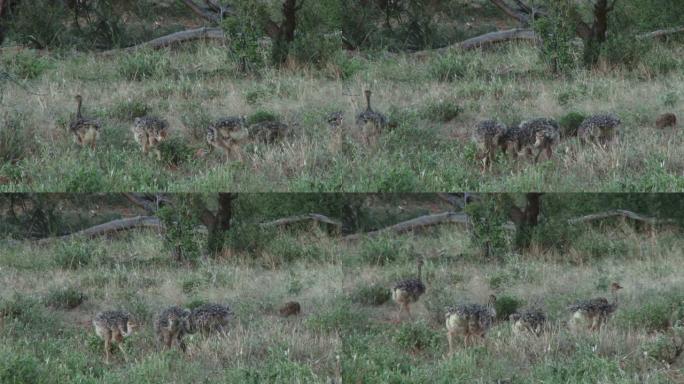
(368, 101)
(615, 298)
(78, 109)
(420, 270)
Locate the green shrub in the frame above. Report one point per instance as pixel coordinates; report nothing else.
(27, 65)
(64, 298)
(382, 250)
(244, 34)
(19, 368)
(340, 317)
(15, 137)
(345, 67)
(128, 110)
(454, 67)
(506, 306)
(74, 254)
(85, 178)
(416, 336)
(441, 110)
(570, 122)
(316, 48)
(175, 151)
(261, 116)
(180, 221)
(144, 64)
(657, 313)
(49, 32)
(196, 120)
(374, 294)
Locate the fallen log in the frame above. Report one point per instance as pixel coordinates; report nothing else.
(620, 213)
(314, 217)
(175, 38)
(488, 39)
(113, 226)
(661, 33)
(418, 223)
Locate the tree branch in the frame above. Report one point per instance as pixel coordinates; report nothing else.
(418, 223)
(150, 203)
(176, 38)
(661, 33)
(620, 213)
(111, 227)
(201, 11)
(315, 217)
(521, 17)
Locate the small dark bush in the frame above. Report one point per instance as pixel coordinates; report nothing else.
(416, 336)
(27, 65)
(14, 138)
(175, 151)
(375, 294)
(261, 116)
(18, 368)
(74, 255)
(191, 285)
(570, 122)
(144, 65)
(64, 298)
(49, 32)
(441, 110)
(505, 306)
(128, 110)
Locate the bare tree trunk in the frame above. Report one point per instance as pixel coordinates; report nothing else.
(221, 224)
(525, 219)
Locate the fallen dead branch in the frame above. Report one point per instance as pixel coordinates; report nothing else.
(419, 223)
(110, 227)
(313, 217)
(176, 38)
(620, 213)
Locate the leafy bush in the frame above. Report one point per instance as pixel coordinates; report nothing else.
(374, 294)
(191, 285)
(19, 368)
(144, 64)
(85, 178)
(453, 67)
(261, 116)
(64, 298)
(175, 151)
(341, 317)
(416, 336)
(441, 110)
(27, 65)
(657, 313)
(316, 48)
(126, 110)
(570, 122)
(382, 250)
(48, 32)
(14, 138)
(506, 306)
(244, 33)
(180, 221)
(558, 29)
(74, 254)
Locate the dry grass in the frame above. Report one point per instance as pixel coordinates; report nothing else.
(134, 273)
(509, 84)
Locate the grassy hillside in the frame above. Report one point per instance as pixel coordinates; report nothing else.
(434, 99)
(343, 289)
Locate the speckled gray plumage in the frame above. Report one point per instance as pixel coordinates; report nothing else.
(478, 316)
(369, 116)
(151, 124)
(487, 134)
(335, 119)
(601, 127)
(173, 318)
(211, 317)
(531, 320)
(269, 131)
(531, 131)
(413, 287)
